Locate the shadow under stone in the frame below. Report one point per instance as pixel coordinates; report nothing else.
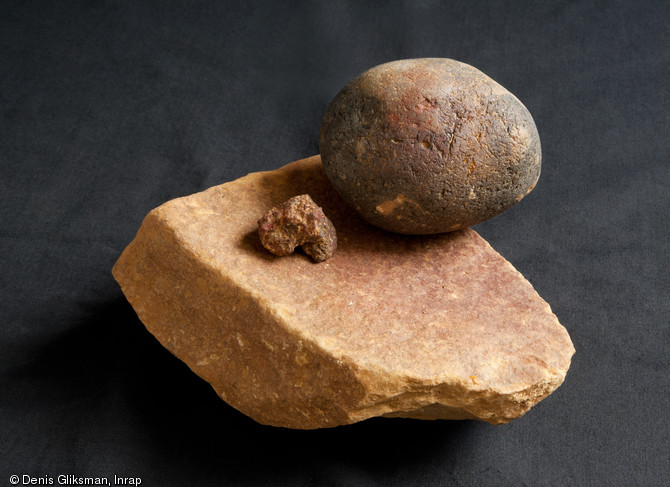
(107, 365)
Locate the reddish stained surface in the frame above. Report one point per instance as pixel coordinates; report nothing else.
(441, 304)
(424, 122)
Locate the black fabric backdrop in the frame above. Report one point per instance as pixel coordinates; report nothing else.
(110, 108)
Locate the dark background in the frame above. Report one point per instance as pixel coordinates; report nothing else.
(109, 108)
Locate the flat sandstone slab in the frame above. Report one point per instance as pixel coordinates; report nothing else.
(392, 325)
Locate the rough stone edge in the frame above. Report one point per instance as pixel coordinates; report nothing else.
(160, 321)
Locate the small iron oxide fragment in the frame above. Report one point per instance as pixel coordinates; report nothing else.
(298, 222)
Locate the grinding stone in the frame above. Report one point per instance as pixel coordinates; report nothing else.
(425, 327)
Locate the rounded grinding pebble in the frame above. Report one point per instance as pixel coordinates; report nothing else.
(423, 146)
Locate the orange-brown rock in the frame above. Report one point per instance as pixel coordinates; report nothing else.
(424, 327)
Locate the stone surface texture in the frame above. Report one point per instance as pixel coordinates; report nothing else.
(392, 325)
(422, 146)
